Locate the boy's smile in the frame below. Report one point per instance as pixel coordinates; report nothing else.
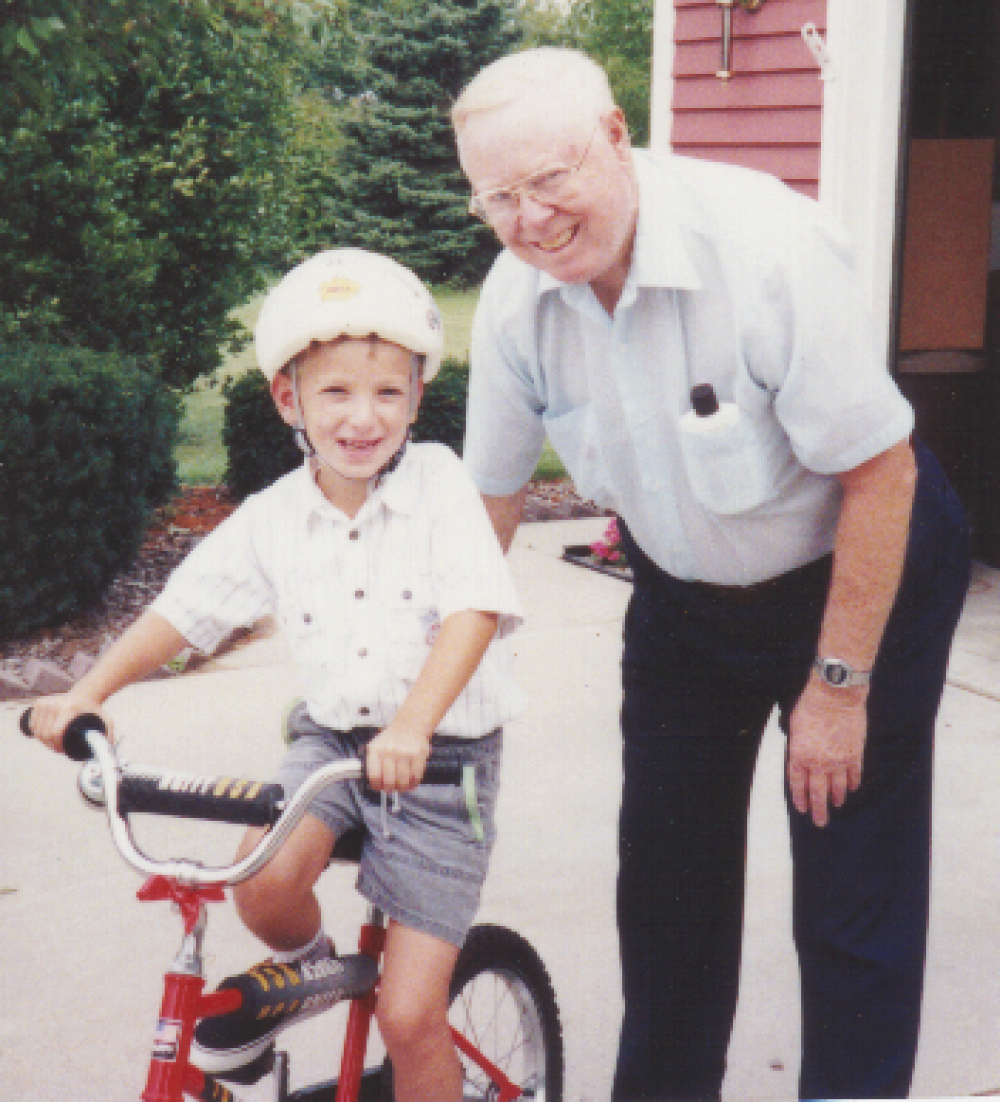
(357, 402)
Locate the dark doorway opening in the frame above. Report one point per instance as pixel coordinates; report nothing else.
(948, 316)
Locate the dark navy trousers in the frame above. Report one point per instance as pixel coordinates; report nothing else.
(702, 672)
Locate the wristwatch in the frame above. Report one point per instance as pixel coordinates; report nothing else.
(838, 674)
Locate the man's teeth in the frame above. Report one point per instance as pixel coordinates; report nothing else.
(559, 242)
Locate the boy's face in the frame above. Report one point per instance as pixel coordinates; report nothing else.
(357, 403)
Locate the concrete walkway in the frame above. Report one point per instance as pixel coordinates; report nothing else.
(80, 959)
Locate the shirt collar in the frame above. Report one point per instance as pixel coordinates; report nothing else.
(660, 258)
(397, 492)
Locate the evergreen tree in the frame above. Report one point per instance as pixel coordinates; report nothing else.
(401, 190)
(619, 35)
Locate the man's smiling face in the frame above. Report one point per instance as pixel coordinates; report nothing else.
(584, 235)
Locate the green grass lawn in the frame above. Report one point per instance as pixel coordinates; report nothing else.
(201, 457)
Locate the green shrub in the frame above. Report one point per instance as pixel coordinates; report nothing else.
(86, 444)
(259, 444)
(442, 412)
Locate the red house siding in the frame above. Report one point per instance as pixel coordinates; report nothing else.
(769, 114)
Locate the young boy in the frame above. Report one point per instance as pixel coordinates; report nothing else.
(381, 566)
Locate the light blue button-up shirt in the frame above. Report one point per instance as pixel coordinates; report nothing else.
(735, 281)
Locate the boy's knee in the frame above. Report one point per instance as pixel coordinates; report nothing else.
(271, 889)
(407, 1023)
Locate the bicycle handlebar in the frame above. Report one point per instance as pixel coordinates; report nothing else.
(75, 744)
(129, 789)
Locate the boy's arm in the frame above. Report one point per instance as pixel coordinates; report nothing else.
(396, 758)
(139, 651)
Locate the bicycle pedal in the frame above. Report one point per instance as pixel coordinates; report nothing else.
(250, 1073)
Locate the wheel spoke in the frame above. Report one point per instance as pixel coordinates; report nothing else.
(504, 1006)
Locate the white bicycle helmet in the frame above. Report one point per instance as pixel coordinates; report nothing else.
(348, 293)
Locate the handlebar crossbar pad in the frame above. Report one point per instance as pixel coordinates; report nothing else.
(191, 796)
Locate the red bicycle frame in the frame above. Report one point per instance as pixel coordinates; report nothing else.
(184, 1003)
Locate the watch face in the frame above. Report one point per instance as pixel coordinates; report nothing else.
(837, 673)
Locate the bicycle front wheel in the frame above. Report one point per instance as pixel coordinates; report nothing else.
(503, 1002)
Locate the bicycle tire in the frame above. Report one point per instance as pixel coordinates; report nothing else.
(503, 1000)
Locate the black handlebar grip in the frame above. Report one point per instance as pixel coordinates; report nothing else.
(75, 745)
(188, 796)
(442, 774)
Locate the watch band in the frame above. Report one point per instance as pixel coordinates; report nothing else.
(839, 674)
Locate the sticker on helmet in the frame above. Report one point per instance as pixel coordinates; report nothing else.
(339, 288)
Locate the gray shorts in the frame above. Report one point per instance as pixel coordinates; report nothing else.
(425, 856)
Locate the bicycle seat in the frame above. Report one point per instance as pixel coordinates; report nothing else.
(348, 846)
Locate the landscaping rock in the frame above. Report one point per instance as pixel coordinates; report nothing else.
(13, 687)
(46, 677)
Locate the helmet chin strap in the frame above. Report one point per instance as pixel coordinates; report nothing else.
(310, 451)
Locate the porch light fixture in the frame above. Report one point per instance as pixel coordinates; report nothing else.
(725, 72)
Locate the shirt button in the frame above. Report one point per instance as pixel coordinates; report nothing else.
(407, 595)
(353, 534)
(363, 653)
(364, 711)
(359, 594)
(307, 618)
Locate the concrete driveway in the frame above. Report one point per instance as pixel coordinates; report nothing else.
(80, 960)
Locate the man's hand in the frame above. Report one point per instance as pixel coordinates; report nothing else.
(396, 759)
(51, 715)
(826, 747)
(828, 726)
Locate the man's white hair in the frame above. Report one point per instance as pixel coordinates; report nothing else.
(559, 80)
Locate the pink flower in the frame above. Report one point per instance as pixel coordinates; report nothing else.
(608, 548)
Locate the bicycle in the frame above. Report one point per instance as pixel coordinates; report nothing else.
(504, 1016)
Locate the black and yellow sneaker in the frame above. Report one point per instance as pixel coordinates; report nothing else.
(276, 996)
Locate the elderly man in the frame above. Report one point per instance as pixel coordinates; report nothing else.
(795, 549)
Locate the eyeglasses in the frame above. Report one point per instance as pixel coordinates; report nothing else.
(550, 187)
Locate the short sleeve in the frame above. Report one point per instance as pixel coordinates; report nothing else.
(469, 566)
(219, 587)
(838, 403)
(504, 430)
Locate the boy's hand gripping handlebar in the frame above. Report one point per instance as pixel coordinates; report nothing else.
(132, 789)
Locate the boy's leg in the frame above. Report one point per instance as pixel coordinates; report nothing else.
(412, 1016)
(278, 905)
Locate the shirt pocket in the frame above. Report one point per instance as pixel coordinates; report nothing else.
(412, 625)
(736, 465)
(574, 435)
(306, 630)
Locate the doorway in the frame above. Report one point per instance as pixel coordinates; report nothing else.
(948, 316)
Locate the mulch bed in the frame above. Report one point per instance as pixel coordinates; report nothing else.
(193, 512)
